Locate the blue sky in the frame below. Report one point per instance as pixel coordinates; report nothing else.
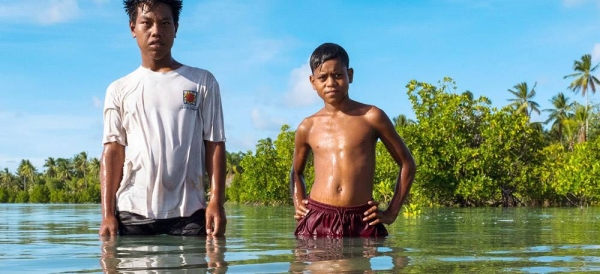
(58, 56)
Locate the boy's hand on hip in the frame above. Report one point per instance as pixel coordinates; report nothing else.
(301, 210)
(375, 216)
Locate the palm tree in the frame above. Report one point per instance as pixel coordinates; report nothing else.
(581, 116)
(584, 79)
(523, 103)
(50, 166)
(63, 169)
(80, 164)
(94, 167)
(401, 121)
(6, 178)
(561, 111)
(26, 171)
(468, 94)
(233, 161)
(570, 132)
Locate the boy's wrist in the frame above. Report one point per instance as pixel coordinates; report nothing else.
(216, 201)
(392, 213)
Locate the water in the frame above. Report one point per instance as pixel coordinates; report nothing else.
(63, 239)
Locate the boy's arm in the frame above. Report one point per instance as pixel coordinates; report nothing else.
(111, 173)
(402, 156)
(297, 183)
(216, 220)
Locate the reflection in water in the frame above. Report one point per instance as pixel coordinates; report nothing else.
(153, 254)
(64, 239)
(163, 253)
(335, 255)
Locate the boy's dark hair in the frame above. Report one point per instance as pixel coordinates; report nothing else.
(132, 5)
(326, 52)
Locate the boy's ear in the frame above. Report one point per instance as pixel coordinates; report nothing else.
(311, 78)
(132, 28)
(350, 75)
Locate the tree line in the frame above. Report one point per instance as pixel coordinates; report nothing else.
(468, 153)
(64, 180)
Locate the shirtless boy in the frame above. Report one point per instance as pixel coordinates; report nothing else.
(342, 137)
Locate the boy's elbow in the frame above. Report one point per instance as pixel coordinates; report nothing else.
(410, 165)
(293, 173)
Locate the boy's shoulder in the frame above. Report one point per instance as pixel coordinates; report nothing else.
(309, 120)
(370, 114)
(366, 111)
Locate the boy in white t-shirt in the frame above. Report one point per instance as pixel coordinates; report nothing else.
(169, 116)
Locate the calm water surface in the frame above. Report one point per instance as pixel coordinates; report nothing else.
(63, 239)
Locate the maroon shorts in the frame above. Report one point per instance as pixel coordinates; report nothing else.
(331, 221)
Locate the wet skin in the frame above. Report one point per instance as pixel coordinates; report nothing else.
(342, 137)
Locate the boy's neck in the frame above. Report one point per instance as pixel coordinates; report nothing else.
(342, 106)
(162, 65)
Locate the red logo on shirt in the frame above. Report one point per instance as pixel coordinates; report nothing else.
(189, 97)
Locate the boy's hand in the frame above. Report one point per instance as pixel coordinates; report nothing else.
(216, 221)
(375, 216)
(301, 210)
(109, 226)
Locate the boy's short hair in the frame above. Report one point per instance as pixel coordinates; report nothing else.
(326, 52)
(132, 5)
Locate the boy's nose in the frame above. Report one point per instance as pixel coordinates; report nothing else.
(330, 81)
(155, 31)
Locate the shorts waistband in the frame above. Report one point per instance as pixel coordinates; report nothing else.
(348, 209)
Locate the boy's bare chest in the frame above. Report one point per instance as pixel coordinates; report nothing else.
(341, 134)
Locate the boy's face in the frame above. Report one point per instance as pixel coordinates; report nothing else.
(154, 30)
(331, 80)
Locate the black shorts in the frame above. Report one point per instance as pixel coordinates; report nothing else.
(135, 224)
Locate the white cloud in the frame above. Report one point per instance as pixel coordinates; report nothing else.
(12, 163)
(301, 93)
(34, 123)
(246, 45)
(596, 53)
(38, 136)
(596, 57)
(97, 102)
(263, 120)
(9, 162)
(40, 12)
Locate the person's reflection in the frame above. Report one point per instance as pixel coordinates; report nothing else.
(335, 255)
(163, 253)
(215, 252)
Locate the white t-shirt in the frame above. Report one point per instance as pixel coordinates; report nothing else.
(163, 120)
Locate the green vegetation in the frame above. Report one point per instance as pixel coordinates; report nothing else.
(468, 153)
(74, 180)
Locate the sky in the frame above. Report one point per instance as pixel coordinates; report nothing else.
(57, 58)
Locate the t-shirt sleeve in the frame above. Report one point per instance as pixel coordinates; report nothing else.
(113, 123)
(212, 111)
